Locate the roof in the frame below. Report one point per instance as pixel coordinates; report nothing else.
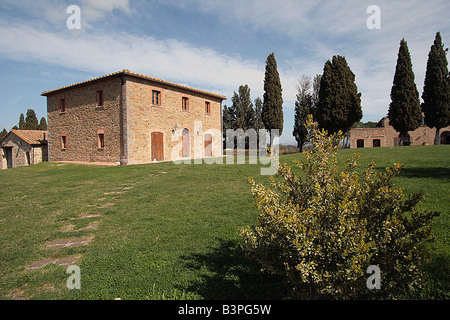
(31, 136)
(137, 75)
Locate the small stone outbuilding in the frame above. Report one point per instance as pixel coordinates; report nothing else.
(23, 148)
(384, 135)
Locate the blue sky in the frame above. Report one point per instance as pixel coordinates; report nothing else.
(214, 45)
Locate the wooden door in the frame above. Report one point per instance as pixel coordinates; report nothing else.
(157, 146)
(208, 145)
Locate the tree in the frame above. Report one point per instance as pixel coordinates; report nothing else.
(339, 105)
(21, 122)
(303, 108)
(227, 122)
(3, 133)
(436, 89)
(272, 111)
(404, 110)
(43, 124)
(243, 107)
(323, 229)
(31, 121)
(257, 121)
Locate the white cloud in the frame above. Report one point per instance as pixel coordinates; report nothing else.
(102, 53)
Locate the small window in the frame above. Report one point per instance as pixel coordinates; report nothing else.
(207, 107)
(185, 104)
(156, 98)
(360, 143)
(63, 142)
(62, 105)
(100, 98)
(376, 143)
(101, 140)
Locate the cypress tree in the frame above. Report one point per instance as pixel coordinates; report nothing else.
(339, 105)
(31, 121)
(436, 89)
(272, 111)
(21, 122)
(404, 110)
(257, 121)
(43, 124)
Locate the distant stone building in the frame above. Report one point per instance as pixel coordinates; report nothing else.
(384, 135)
(23, 148)
(130, 118)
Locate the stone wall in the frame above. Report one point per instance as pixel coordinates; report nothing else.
(388, 137)
(23, 154)
(82, 120)
(143, 118)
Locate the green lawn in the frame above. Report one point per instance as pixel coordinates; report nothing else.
(169, 231)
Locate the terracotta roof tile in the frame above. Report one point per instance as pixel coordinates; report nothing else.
(128, 72)
(31, 136)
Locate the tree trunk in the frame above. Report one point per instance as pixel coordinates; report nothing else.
(437, 138)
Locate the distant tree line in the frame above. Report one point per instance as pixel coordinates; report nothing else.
(30, 122)
(333, 99)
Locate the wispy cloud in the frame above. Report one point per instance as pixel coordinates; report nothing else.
(101, 53)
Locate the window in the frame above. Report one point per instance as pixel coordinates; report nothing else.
(101, 140)
(376, 143)
(360, 143)
(156, 98)
(100, 98)
(185, 104)
(63, 142)
(207, 107)
(62, 105)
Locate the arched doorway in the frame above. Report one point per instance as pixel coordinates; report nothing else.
(445, 137)
(208, 145)
(404, 139)
(186, 151)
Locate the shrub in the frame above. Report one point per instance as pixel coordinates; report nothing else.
(324, 230)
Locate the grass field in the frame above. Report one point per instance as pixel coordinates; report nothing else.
(166, 231)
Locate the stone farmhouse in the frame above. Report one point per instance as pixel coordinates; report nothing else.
(130, 118)
(23, 148)
(384, 135)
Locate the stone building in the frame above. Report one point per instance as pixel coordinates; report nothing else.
(23, 148)
(130, 118)
(384, 135)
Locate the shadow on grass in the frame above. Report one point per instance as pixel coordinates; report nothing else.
(436, 173)
(231, 275)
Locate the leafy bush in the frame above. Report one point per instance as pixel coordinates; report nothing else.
(324, 230)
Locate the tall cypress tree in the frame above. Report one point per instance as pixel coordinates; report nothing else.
(436, 89)
(404, 110)
(339, 105)
(272, 111)
(21, 122)
(31, 121)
